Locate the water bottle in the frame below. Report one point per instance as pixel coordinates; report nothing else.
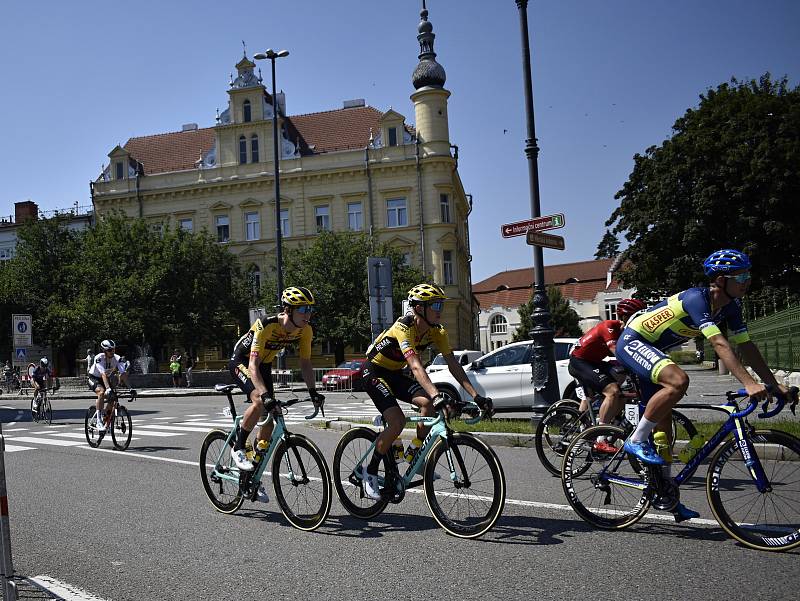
(261, 450)
(412, 450)
(398, 451)
(248, 450)
(662, 446)
(691, 449)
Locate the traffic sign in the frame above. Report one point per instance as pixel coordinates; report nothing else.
(538, 224)
(22, 354)
(22, 330)
(546, 240)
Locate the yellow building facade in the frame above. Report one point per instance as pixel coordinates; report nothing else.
(352, 168)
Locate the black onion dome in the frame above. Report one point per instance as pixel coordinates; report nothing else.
(428, 73)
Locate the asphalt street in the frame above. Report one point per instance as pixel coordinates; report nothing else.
(137, 525)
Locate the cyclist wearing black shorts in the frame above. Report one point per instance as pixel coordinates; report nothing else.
(385, 383)
(251, 362)
(39, 378)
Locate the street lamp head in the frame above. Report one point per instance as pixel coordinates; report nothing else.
(283, 53)
(259, 56)
(270, 54)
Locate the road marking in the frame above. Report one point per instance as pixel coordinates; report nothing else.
(82, 436)
(178, 428)
(141, 430)
(198, 415)
(17, 429)
(10, 448)
(52, 441)
(142, 456)
(62, 590)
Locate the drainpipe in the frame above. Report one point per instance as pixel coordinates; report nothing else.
(419, 196)
(369, 196)
(139, 172)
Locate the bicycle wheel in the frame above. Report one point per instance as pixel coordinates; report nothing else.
(121, 428)
(467, 500)
(768, 521)
(47, 411)
(302, 482)
(347, 462)
(93, 436)
(555, 431)
(604, 489)
(216, 467)
(34, 412)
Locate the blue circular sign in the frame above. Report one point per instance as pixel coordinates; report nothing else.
(22, 327)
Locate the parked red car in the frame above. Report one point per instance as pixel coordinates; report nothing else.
(346, 376)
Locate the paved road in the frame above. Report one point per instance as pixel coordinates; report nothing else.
(137, 525)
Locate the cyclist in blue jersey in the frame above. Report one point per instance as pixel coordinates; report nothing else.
(672, 322)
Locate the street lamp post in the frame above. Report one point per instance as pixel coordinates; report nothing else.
(545, 379)
(272, 55)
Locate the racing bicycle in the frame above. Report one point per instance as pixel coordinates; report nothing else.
(300, 474)
(41, 411)
(116, 418)
(466, 500)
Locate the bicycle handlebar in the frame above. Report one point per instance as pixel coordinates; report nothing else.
(741, 393)
(271, 404)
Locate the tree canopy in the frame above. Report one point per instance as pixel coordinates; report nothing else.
(727, 178)
(563, 318)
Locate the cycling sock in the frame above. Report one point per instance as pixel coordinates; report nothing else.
(643, 430)
(241, 439)
(375, 462)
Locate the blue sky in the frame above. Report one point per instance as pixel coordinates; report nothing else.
(610, 77)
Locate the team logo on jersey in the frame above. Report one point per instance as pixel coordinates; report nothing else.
(652, 323)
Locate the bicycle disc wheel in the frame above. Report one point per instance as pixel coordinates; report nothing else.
(121, 428)
(216, 461)
(347, 473)
(604, 489)
(768, 521)
(93, 436)
(554, 433)
(302, 482)
(468, 501)
(34, 412)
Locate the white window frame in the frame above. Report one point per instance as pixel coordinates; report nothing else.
(252, 226)
(444, 208)
(397, 215)
(186, 224)
(286, 224)
(322, 218)
(223, 221)
(448, 268)
(611, 309)
(355, 216)
(498, 327)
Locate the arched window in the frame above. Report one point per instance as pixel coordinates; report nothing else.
(246, 114)
(254, 148)
(242, 150)
(498, 325)
(254, 279)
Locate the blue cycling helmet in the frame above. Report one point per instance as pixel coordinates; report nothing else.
(725, 261)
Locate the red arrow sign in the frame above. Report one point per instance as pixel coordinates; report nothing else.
(520, 228)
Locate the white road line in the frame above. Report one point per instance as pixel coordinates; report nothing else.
(16, 429)
(219, 424)
(198, 415)
(177, 428)
(10, 448)
(62, 590)
(162, 418)
(141, 431)
(82, 436)
(52, 441)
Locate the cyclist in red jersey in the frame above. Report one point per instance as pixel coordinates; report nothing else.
(595, 375)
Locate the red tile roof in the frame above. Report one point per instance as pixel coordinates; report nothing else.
(340, 129)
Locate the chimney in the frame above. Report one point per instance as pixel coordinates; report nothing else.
(25, 210)
(189, 127)
(356, 102)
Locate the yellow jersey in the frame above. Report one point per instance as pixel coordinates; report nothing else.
(393, 347)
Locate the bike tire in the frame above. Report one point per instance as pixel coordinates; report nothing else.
(225, 495)
(746, 514)
(464, 511)
(93, 437)
(47, 411)
(603, 503)
(554, 432)
(347, 477)
(121, 428)
(302, 482)
(34, 412)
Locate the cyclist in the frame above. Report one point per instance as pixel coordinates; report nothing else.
(595, 375)
(385, 383)
(39, 378)
(674, 321)
(251, 363)
(103, 366)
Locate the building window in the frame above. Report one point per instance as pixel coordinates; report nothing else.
(328, 347)
(223, 228)
(6, 254)
(444, 204)
(286, 229)
(447, 267)
(254, 149)
(354, 218)
(396, 214)
(392, 136)
(499, 325)
(158, 229)
(406, 260)
(242, 150)
(247, 115)
(323, 217)
(118, 168)
(611, 310)
(252, 226)
(185, 224)
(254, 279)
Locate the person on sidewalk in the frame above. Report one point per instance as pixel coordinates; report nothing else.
(175, 370)
(190, 363)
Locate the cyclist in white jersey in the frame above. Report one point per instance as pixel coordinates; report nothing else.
(104, 364)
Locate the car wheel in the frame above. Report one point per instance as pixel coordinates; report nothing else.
(448, 393)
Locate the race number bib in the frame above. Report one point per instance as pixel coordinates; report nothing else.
(580, 393)
(632, 413)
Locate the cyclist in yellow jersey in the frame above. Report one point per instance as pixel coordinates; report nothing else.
(251, 362)
(385, 383)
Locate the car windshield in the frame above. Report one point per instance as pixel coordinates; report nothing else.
(561, 350)
(439, 360)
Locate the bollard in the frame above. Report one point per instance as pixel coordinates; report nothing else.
(7, 566)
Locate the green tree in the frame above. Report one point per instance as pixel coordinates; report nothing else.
(608, 247)
(564, 319)
(727, 178)
(334, 268)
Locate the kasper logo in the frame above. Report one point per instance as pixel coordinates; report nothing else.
(659, 317)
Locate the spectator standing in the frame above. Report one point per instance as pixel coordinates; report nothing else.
(89, 359)
(175, 370)
(190, 363)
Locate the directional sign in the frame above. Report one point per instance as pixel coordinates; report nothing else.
(546, 240)
(21, 327)
(520, 228)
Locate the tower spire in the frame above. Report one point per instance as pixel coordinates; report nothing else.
(428, 71)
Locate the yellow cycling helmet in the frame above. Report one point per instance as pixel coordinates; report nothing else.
(295, 296)
(425, 293)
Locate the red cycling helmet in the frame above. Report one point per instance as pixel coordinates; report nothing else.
(628, 306)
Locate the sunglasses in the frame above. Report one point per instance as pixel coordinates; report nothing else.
(304, 309)
(437, 305)
(742, 278)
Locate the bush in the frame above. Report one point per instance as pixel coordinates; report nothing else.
(683, 357)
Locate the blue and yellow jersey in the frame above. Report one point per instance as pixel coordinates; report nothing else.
(686, 315)
(392, 348)
(267, 338)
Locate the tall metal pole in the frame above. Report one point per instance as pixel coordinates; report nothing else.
(545, 379)
(278, 233)
(6, 564)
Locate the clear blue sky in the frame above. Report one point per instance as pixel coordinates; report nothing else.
(610, 78)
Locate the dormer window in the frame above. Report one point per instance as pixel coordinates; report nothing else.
(392, 136)
(246, 113)
(118, 170)
(242, 150)
(254, 149)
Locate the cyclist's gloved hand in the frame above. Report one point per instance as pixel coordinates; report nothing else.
(486, 405)
(108, 392)
(317, 398)
(133, 394)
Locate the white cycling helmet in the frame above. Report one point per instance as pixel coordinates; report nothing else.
(43, 361)
(107, 344)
